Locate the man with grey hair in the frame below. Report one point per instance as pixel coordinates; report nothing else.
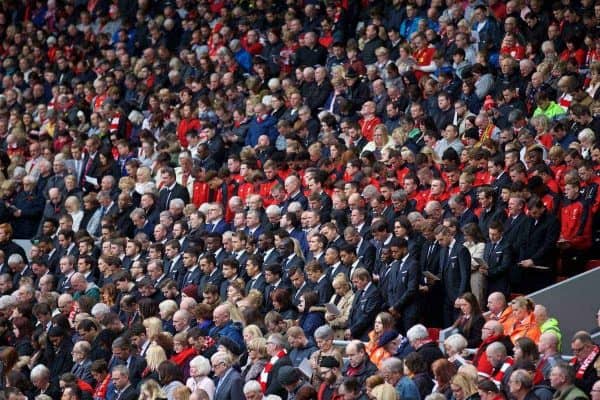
(359, 365)
(19, 268)
(548, 346)
(419, 339)
(82, 287)
(40, 378)
(520, 384)
(252, 390)
(82, 363)
(124, 388)
(392, 370)
(230, 384)
(7, 303)
(268, 378)
(562, 378)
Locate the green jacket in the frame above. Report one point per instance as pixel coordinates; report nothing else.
(570, 393)
(552, 111)
(551, 325)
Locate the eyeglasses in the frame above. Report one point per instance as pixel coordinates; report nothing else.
(576, 350)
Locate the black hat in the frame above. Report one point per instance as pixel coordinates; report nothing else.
(288, 375)
(329, 362)
(387, 337)
(351, 73)
(230, 345)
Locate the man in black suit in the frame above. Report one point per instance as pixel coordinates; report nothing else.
(365, 251)
(256, 279)
(57, 355)
(496, 168)
(274, 281)
(124, 387)
(289, 258)
(292, 188)
(210, 273)
(320, 281)
(173, 262)
(514, 224)
(276, 350)
(299, 284)
(404, 288)
(367, 302)
(350, 259)
(542, 230)
(191, 274)
(431, 289)
(455, 270)
(170, 189)
(267, 248)
(489, 209)
(499, 258)
(134, 364)
(458, 207)
(40, 377)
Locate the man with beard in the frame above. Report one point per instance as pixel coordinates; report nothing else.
(329, 370)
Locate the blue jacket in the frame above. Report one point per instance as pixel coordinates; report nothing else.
(32, 206)
(265, 127)
(407, 389)
(309, 322)
(232, 330)
(244, 59)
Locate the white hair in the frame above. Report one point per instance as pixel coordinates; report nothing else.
(273, 209)
(252, 386)
(99, 310)
(40, 371)
(201, 364)
(456, 342)
(417, 332)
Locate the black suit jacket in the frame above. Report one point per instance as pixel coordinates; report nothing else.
(294, 262)
(455, 271)
(540, 247)
(215, 278)
(268, 304)
(405, 291)
(178, 192)
(258, 283)
(190, 278)
(500, 259)
(325, 290)
(467, 217)
(271, 258)
(273, 385)
(130, 393)
(487, 217)
(307, 287)
(366, 304)
(514, 232)
(136, 366)
(366, 254)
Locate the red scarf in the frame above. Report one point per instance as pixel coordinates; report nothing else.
(264, 375)
(181, 357)
(499, 376)
(586, 363)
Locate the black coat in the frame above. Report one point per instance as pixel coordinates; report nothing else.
(500, 259)
(404, 291)
(273, 385)
(178, 192)
(473, 332)
(367, 303)
(540, 247)
(59, 361)
(487, 217)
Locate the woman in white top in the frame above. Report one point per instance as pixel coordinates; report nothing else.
(381, 140)
(475, 243)
(73, 207)
(199, 370)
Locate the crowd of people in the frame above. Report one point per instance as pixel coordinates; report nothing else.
(267, 199)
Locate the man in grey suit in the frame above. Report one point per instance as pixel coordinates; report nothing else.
(230, 383)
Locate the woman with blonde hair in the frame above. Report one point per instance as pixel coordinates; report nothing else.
(380, 141)
(153, 327)
(181, 393)
(342, 299)
(150, 390)
(251, 332)
(154, 357)
(257, 359)
(463, 387)
(385, 391)
(199, 376)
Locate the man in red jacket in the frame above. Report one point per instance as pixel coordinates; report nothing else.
(575, 231)
(492, 331)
